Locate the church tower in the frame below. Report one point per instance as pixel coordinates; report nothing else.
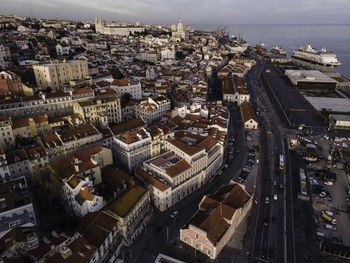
(99, 25)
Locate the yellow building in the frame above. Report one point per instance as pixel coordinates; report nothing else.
(158, 140)
(42, 124)
(24, 128)
(99, 111)
(54, 75)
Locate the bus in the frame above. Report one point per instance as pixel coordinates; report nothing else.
(281, 162)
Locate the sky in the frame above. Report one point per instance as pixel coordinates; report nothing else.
(193, 12)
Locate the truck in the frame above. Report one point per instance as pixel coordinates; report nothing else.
(329, 219)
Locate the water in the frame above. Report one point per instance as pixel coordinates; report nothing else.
(335, 38)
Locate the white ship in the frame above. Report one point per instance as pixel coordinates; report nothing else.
(261, 45)
(278, 51)
(322, 57)
(237, 47)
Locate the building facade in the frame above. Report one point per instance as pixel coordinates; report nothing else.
(10, 84)
(54, 75)
(132, 148)
(218, 216)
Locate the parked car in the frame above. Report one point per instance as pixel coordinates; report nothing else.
(329, 183)
(322, 194)
(274, 220)
(328, 213)
(266, 222)
(330, 227)
(174, 214)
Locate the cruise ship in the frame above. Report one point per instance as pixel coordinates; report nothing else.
(321, 58)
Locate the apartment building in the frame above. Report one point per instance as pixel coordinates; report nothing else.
(38, 158)
(5, 56)
(99, 111)
(132, 148)
(18, 164)
(79, 136)
(218, 216)
(4, 170)
(132, 209)
(122, 86)
(186, 166)
(54, 75)
(153, 109)
(16, 242)
(74, 178)
(101, 229)
(53, 146)
(7, 139)
(53, 104)
(24, 128)
(60, 247)
(42, 125)
(16, 206)
(10, 84)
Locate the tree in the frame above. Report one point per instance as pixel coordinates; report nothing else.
(116, 73)
(180, 55)
(125, 98)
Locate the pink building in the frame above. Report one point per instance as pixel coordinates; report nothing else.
(212, 226)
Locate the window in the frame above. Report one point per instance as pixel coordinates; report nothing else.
(197, 236)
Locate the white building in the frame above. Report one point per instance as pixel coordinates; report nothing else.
(62, 49)
(184, 168)
(249, 117)
(116, 28)
(153, 109)
(132, 148)
(167, 53)
(18, 164)
(234, 90)
(180, 34)
(122, 86)
(75, 176)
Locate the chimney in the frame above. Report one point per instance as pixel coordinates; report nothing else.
(124, 184)
(76, 164)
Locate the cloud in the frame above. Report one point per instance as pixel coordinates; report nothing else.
(192, 12)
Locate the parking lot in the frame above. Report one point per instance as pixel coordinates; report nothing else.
(328, 189)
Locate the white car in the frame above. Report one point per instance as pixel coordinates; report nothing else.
(330, 227)
(275, 197)
(334, 221)
(267, 200)
(322, 194)
(328, 183)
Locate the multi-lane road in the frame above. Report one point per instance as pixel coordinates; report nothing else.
(268, 236)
